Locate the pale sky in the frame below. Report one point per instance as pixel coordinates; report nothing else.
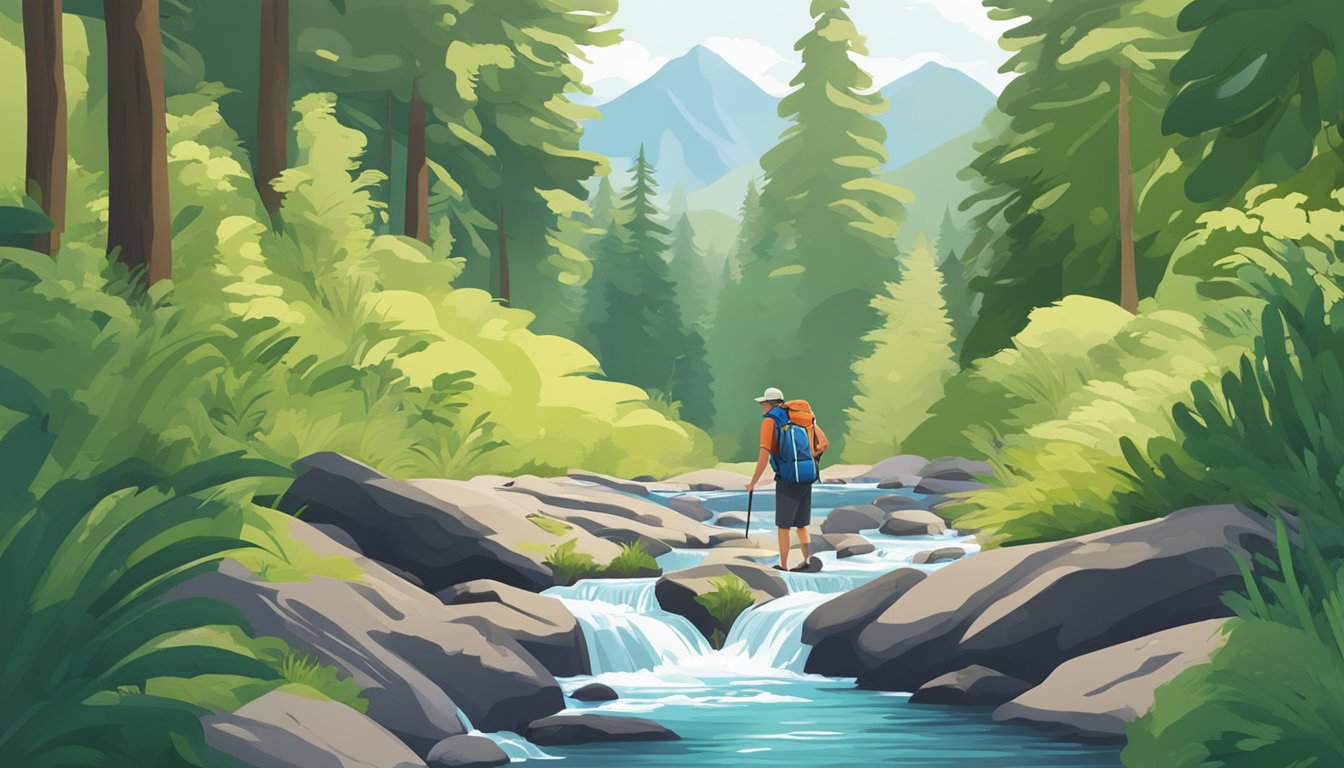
(757, 37)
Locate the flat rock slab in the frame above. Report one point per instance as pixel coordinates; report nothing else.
(692, 507)
(1025, 610)
(841, 474)
(955, 468)
(543, 626)
(1093, 696)
(912, 522)
(715, 480)
(940, 555)
(631, 487)
(285, 730)
(676, 592)
(561, 730)
(851, 545)
(834, 626)
(466, 751)
(974, 686)
(935, 486)
(896, 502)
(893, 468)
(416, 664)
(852, 519)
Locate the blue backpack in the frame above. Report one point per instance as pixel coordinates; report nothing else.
(793, 459)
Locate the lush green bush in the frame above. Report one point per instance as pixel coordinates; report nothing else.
(632, 561)
(729, 598)
(1050, 415)
(569, 565)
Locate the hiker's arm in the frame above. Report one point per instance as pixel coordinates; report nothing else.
(761, 463)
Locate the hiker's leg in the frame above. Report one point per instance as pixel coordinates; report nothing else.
(805, 538)
(783, 547)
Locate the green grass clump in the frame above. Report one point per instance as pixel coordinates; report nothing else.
(570, 565)
(550, 524)
(632, 561)
(730, 597)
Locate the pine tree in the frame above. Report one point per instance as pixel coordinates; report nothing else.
(911, 360)
(632, 317)
(956, 279)
(603, 204)
(690, 272)
(826, 236)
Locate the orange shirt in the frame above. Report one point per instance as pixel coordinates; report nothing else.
(819, 441)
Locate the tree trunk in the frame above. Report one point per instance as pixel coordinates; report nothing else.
(138, 218)
(1129, 284)
(47, 160)
(273, 102)
(503, 257)
(417, 169)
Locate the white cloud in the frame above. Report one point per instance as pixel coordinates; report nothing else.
(614, 69)
(769, 68)
(969, 14)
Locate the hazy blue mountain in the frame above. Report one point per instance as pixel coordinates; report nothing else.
(698, 117)
(929, 107)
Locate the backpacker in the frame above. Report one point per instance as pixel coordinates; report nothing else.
(793, 459)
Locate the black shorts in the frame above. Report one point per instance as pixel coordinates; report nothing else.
(793, 504)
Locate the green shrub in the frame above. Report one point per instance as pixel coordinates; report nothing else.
(730, 597)
(83, 628)
(569, 565)
(632, 561)
(1274, 694)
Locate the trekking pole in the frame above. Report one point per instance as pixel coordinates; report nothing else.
(747, 533)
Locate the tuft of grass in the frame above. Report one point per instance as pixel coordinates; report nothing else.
(550, 524)
(632, 561)
(569, 565)
(730, 597)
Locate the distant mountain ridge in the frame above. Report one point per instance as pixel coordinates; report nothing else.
(705, 125)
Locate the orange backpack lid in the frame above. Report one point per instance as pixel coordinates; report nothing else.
(800, 413)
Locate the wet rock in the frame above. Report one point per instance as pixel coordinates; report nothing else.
(841, 474)
(851, 545)
(594, 692)
(715, 480)
(931, 485)
(285, 730)
(607, 481)
(1027, 609)
(896, 502)
(692, 507)
(589, 728)
(955, 468)
(974, 686)
(738, 520)
(543, 626)
(893, 469)
(912, 522)
(416, 664)
(442, 540)
(676, 592)
(466, 752)
(853, 519)
(1093, 696)
(834, 626)
(897, 482)
(939, 555)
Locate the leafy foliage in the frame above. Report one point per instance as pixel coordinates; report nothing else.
(632, 561)
(729, 598)
(569, 565)
(911, 360)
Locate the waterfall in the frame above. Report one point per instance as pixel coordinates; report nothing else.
(625, 629)
(770, 635)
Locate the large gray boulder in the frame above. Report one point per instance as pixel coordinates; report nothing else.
(631, 487)
(896, 502)
(615, 516)
(1093, 696)
(934, 486)
(676, 592)
(912, 522)
(692, 507)
(543, 626)
(974, 686)
(894, 468)
(939, 555)
(955, 468)
(442, 540)
(466, 751)
(1025, 610)
(850, 545)
(853, 519)
(285, 730)
(588, 728)
(834, 626)
(416, 664)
